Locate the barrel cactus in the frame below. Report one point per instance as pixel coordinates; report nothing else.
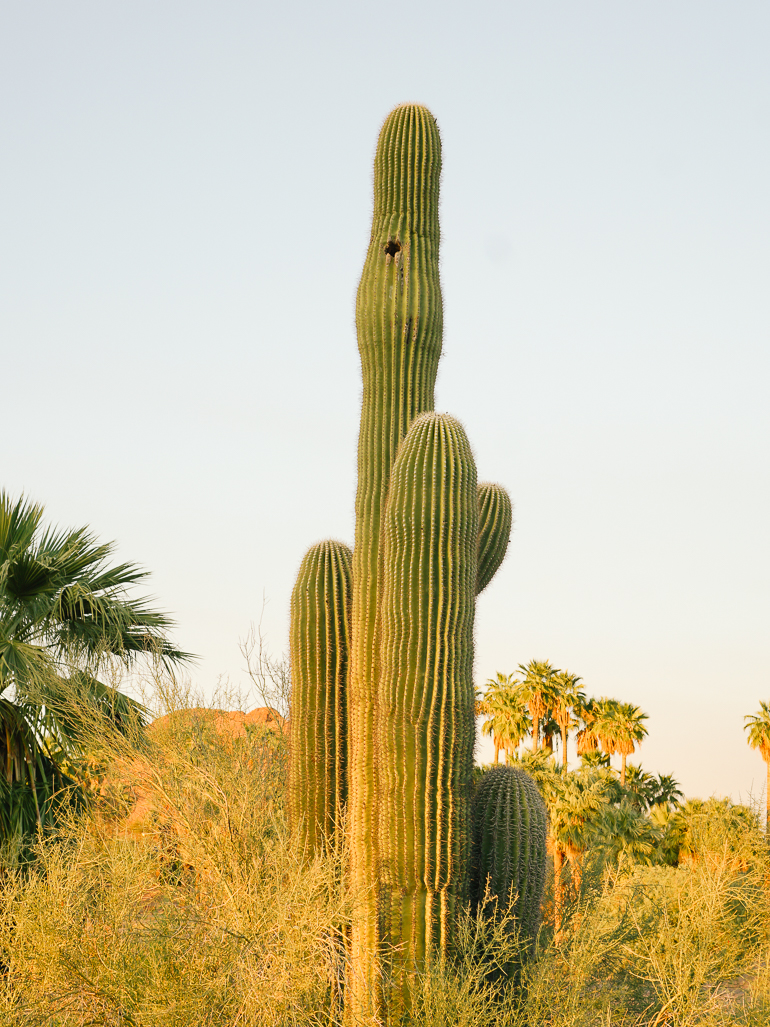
(509, 839)
(428, 538)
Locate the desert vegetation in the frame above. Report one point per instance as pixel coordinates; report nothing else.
(175, 893)
(153, 875)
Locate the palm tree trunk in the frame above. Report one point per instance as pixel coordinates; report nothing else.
(623, 770)
(558, 891)
(767, 805)
(535, 733)
(497, 751)
(576, 861)
(564, 748)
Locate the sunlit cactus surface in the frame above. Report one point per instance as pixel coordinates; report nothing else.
(383, 641)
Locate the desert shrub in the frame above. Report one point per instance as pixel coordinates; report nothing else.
(663, 946)
(176, 896)
(183, 903)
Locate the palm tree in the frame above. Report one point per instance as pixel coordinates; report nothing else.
(576, 804)
(586, 712)
(569, 698)
(640, 787)
(539, 691)
(619, 728)
(64, 615)
(508, 721)
(626, 831)
(549, 729)
(630, 734)
(758, 727)
(664, 790)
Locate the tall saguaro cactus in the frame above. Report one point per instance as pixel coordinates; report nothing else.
(399, 325)
(398, 673)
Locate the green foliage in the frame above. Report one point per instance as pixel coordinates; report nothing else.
(207, 912)
(65, 616)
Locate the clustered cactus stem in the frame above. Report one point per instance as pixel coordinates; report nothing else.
(382, 640)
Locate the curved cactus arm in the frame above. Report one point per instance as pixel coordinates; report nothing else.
(495, 523)
(425, 709)
(509, 846)
(319, 640)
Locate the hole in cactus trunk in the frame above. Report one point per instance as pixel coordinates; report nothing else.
(392, 247)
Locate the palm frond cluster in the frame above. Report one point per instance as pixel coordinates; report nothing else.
(65, 616)
(592, 808)
(758, 727)
(545, 704)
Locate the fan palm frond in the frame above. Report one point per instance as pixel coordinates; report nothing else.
(65, 612)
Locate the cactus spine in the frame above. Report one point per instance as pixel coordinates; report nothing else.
(509, 839)
(426, 701)
(319, 640)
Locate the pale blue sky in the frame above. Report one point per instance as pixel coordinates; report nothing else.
(186, 200)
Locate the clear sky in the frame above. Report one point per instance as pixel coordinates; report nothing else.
(186, 203)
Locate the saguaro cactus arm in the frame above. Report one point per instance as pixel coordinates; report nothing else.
(426, 699)
(319, 640)
(495, 522)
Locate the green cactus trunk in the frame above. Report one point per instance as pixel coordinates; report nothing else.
(509, 847)
(394, 675)
(426, 730)
(319, 639)
(399, 324)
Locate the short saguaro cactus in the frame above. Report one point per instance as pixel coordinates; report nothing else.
(382, 720)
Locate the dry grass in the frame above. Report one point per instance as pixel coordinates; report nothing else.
(199, 910)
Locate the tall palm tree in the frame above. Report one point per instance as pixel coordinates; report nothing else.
(508, 721)
(64, 615)
(630, 734)
(586, 712)
(619, 727)
(539, 691)
(569, 699)
(758, 727)
(549, 729)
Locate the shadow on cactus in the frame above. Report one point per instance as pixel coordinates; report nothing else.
(383, 724)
